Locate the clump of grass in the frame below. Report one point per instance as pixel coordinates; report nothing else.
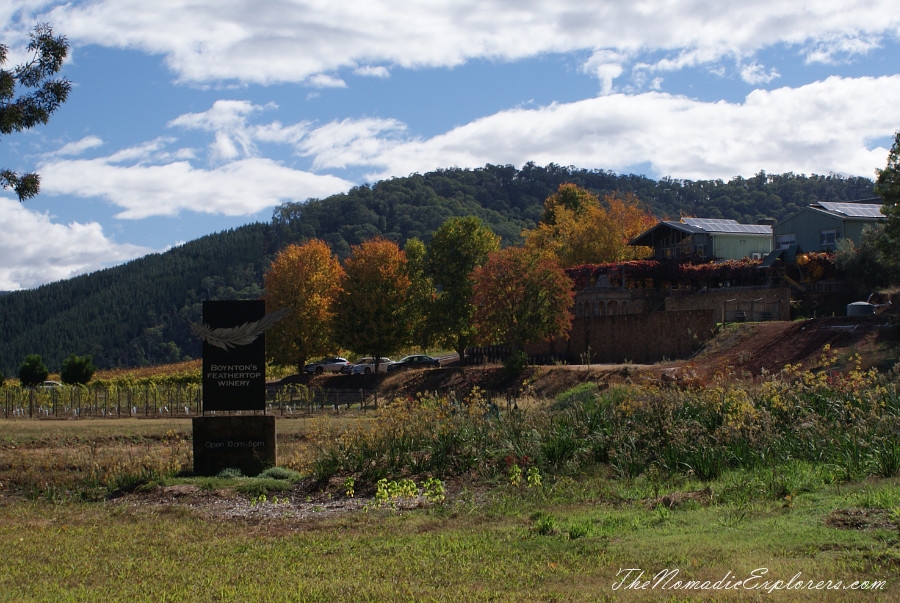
(282, 473)
(583, 393)
(256, 486)
(580, 529)
(544, 524)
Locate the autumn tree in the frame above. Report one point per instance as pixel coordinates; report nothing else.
(305, 278)
(521, 296)
(372, 314)
(578, 228)
(457, 247)
(42, 95)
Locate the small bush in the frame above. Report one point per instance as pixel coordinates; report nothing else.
(516, 364)
(230, 473)
(583, 393)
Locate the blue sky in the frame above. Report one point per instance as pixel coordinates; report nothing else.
(191, 118)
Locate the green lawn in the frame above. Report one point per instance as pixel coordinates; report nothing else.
(568, 541)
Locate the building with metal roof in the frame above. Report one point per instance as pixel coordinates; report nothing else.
(706, 239)
(821, 226)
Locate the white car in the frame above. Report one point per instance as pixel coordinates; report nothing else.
(366, 366)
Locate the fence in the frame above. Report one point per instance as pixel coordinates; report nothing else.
(162, 400)
(184, 400)
(146, 400)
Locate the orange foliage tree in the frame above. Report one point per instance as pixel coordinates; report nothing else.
(521, 296)
(305, 278)
(578, 228)
(372, 308)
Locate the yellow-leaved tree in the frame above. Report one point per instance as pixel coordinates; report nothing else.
(578, 228)
(305, 278)
(372, 309)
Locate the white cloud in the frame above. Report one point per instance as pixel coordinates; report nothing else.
(80, 146)
(241, 187)
(37, 250)
(320, 80)
(755, 74)
(840, 49)
(297, 41)
(351, 143)
(819, 128)
(227, 120)
(368, 71)
(606, 65)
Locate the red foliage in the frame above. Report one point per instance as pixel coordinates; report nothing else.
(638, 273)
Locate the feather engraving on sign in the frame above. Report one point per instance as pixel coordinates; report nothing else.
(231, 337)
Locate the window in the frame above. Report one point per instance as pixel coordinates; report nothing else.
(829, 237)
(783, 241)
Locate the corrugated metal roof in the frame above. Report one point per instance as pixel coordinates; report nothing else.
(853, 210)
(731, 226)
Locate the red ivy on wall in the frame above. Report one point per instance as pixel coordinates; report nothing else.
(661, 273)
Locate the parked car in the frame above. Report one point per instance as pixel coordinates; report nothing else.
(366, 366)
(50, 384)
(416, 361)
(331, 364)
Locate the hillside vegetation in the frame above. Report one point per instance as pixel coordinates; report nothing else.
(137, 314)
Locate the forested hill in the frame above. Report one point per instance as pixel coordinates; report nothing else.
(138, 313)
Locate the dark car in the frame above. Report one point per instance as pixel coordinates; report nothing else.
(417, 361)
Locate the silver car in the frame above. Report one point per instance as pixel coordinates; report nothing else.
(331, 364)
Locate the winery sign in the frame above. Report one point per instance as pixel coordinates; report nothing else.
(234, 354)
(234, 379)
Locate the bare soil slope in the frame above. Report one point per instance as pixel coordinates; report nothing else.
(738, 351)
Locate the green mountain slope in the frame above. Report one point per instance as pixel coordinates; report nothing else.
(138, 313)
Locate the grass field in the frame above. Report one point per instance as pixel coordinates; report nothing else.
(568, 540)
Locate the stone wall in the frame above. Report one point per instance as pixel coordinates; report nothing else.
(640, 338)
(736, 304)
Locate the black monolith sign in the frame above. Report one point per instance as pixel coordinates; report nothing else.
(238, 442)
(234, 355)
(234, 380)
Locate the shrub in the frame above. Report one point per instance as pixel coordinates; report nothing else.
(583, 393)
(77, 370)
(516, 364)
(33, 372)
